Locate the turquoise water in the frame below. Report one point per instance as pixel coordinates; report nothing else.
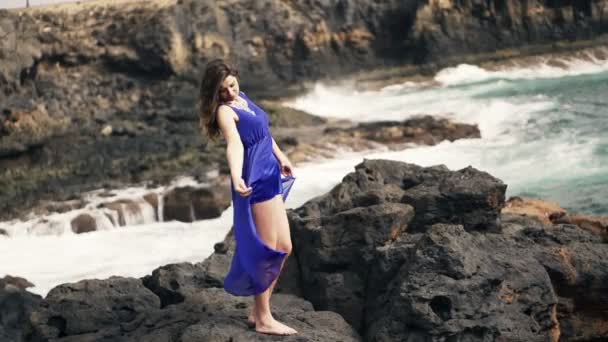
(578, 118)
(544, 129)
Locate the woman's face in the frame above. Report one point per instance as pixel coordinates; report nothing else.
(229, 89)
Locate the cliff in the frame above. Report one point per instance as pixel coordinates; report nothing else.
(284, 41)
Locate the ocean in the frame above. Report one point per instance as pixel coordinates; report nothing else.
(543, 128)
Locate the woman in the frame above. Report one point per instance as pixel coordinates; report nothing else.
(256, 166)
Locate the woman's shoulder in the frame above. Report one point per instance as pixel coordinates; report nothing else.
(224, 107)
(225, 110)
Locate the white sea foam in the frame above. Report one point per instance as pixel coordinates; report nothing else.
(514, 144)
(135, 251)
(466, 73)
(138, 211)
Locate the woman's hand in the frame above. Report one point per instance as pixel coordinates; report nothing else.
(286, 167)
(242, 188)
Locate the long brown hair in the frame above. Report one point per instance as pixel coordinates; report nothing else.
(209, 96)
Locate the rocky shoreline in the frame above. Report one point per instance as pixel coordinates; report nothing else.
(303, 137)
(394, 252)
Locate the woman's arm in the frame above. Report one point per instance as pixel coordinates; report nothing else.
(234, 148)
(286, 167)
(277, 151)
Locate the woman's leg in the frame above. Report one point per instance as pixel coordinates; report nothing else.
(283, 243)
(281, 224)
(273, 228)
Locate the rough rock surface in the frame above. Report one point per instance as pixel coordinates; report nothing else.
(359, 250)
(285, 41)
(16, 304)
(421, 130)
(551, 213)
(187, 204)
(336, 136)
(399, 266)
(123, 309)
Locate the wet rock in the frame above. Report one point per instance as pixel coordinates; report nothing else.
(152, 198)
(16, 304)
(282, 116)
(326, 139)
(125, 209)
(16, 282)
(59, 207)
(188, 204)
(423, 130)
(83, 223)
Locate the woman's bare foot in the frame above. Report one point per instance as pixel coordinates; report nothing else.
(273, 327)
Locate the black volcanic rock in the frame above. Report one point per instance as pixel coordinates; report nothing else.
(468, 196)
(463, 285)
(337, 136)
(424, 130)
(173, 283)
(123, 309)
(87, 307)
(400, 269)
(16, 304)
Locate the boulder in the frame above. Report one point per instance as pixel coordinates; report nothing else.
(187, 204)
(83, 223)
(406, 253)
(16, 304)
(123, 309)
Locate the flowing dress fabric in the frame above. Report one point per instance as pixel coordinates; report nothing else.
(255, 265)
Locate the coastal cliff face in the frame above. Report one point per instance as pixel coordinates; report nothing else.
(119, 82)
(448, 28)
(286, 41)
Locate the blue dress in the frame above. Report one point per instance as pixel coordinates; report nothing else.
(255, 265)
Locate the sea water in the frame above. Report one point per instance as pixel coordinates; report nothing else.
(544, 129)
